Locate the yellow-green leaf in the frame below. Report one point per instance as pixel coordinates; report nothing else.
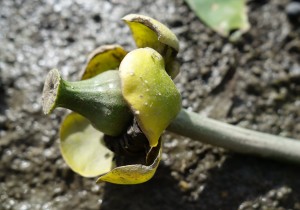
(222, 16)
(107, 57)
(134, 174)
(150, 92)
(82, 147)
(148, 32)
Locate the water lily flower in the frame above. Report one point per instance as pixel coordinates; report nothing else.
(121, 106)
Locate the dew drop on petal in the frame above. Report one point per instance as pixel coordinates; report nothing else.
(111, 86)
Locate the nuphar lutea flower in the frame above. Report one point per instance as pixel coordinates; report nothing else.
(121, 106)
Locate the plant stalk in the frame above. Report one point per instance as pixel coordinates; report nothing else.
(235, 138)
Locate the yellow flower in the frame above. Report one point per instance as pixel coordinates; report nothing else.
(116, 134)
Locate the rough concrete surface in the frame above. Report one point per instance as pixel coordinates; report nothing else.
(253, 83)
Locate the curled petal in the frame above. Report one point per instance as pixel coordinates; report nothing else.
(104, 58)
(134, 174)
(149, 91)
(82, 147)
(148, 32)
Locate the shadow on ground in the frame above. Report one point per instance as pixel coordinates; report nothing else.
(242, 178)
(236, 185)
(161, 192)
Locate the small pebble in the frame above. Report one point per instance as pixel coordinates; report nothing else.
(293, 11)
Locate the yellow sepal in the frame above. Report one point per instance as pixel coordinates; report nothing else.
(82, 147)
(149, 91)
(148, 32)
(134, 174)
(104, 58)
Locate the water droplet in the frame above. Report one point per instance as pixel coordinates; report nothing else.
(159, 93)
(146, 81)
(147, 90)
(146, 103)
(137, 112)
(111, 86)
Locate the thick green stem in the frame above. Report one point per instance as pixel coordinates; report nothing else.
(235, 138)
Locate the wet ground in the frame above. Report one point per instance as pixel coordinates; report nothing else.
(253, 83)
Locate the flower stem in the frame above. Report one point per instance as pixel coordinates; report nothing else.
(235, 138)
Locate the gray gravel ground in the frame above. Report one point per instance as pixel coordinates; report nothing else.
(254, 83)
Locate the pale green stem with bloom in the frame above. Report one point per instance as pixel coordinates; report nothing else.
(235, 138)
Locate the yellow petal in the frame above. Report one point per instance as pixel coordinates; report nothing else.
(133, 174)
(82, 147)
(107, 57)
(148, 32)
(150, 92)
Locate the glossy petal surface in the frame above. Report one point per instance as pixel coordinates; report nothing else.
(107, 57)
(82, 148)
(150, 92)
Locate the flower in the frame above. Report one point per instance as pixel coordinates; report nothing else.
(122, 105)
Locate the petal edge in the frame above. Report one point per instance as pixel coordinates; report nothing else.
(82, 148)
